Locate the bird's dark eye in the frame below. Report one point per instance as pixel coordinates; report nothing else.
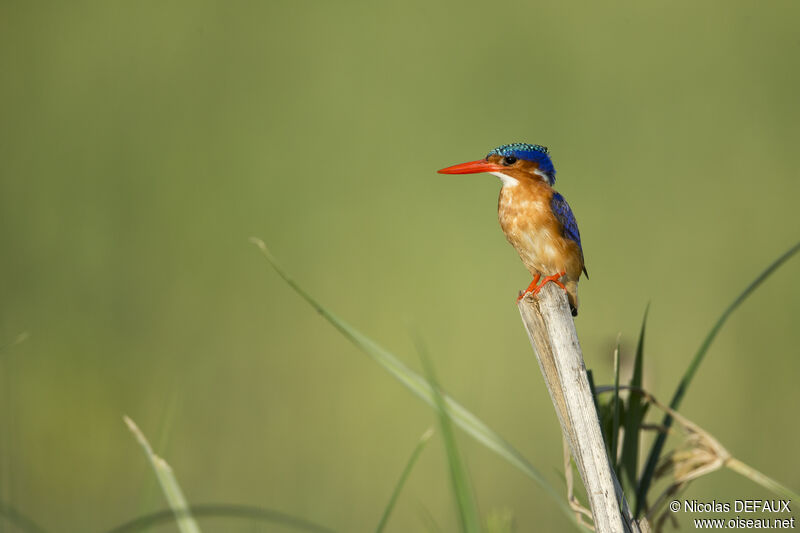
(509, 160)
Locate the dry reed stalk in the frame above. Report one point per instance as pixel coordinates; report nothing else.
(551, 330)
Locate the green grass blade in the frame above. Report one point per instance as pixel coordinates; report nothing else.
(8, 411)
(149, 493)
(658, 444)
(614, 445)
(172, 491)
(21, 522)
(459, 477)
(590, 379)
(633, 420)
(19, 339)
(462, 417)
(241, 512)
(430, 522)
(423, 441)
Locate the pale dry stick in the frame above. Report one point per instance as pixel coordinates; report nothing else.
(551, 330)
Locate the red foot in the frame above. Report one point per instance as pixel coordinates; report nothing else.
(554, 278)
(534, 289)
(530, 287)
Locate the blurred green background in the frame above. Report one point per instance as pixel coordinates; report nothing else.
(142, 143)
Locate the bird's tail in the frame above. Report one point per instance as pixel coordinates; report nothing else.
(572, 295)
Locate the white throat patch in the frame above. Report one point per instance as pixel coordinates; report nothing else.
(507, 180)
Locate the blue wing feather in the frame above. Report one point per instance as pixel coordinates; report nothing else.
(569, 225)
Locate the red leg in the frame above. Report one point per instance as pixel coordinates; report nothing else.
(554, 278)
(531, 287)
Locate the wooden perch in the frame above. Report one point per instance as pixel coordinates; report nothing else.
(550, 327)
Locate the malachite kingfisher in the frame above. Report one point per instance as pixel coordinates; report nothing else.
(536, 220)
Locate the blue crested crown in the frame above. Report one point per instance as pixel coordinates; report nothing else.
(529, 152)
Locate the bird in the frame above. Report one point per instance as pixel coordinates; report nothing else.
(536, 220)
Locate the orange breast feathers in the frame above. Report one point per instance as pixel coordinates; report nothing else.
(533, 230)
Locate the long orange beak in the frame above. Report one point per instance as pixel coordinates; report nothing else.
(473, 167)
